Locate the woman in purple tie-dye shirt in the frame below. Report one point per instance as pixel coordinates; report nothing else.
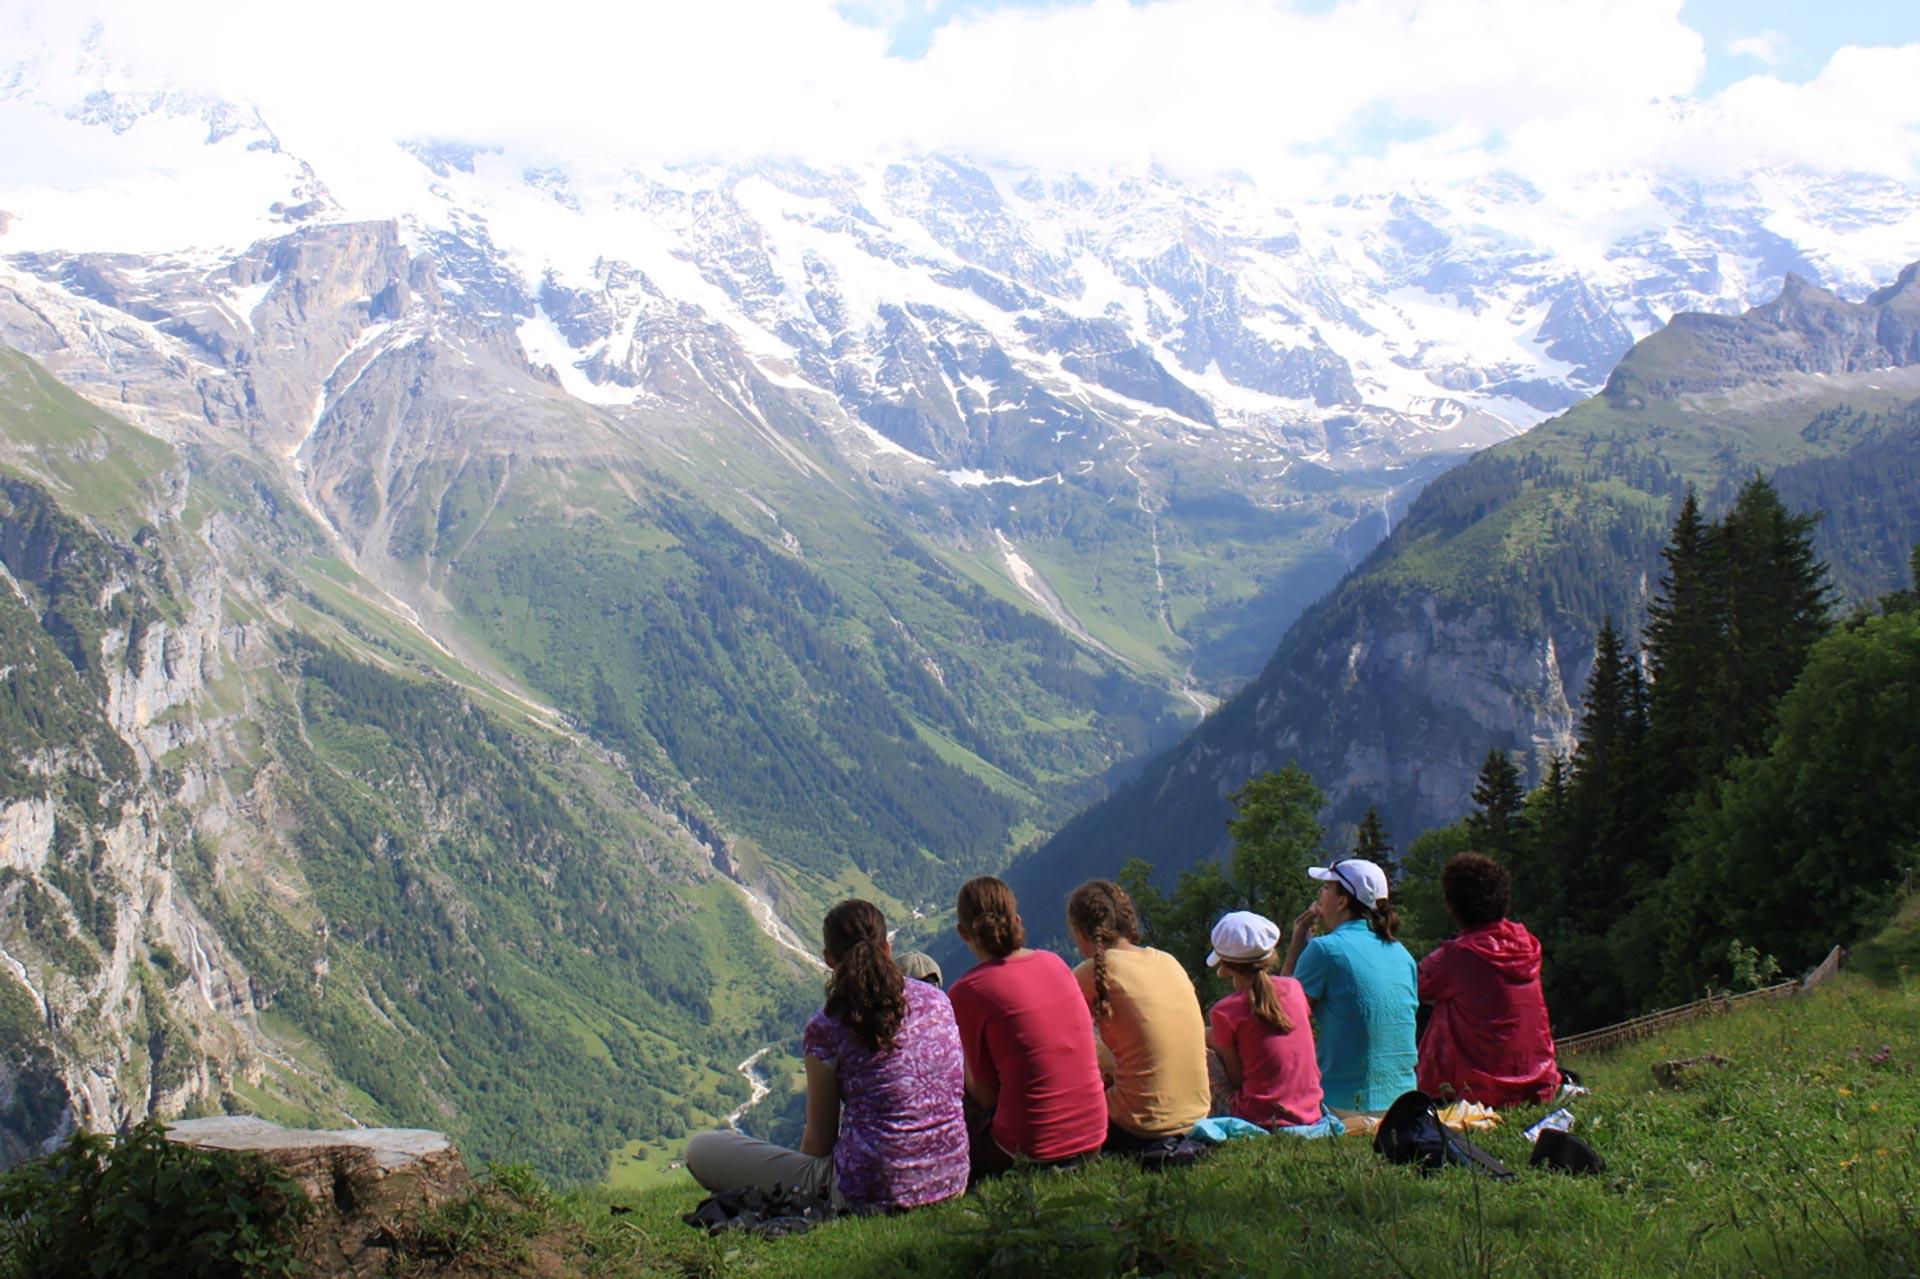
(884, 1080)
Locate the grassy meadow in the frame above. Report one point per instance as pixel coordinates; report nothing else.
(1798, 1157)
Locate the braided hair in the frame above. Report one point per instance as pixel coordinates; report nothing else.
(990, 917)
(1103, 913)
(867, 992)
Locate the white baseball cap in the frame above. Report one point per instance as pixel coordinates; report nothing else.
(1242, 936)
(1366, 881)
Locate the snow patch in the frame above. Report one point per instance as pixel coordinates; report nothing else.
(244, 299)
(885, 445)
(545, 344)
(969, 479)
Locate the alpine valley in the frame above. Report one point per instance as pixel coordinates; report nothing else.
(462, 607)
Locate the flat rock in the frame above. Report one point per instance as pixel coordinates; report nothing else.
(366, 1184)
(391, 1147)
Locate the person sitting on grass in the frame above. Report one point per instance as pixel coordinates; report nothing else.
(1361, 983)
(921, 966)
(1260, 1057)
(884, 1077)
(1489, 1039)
(1033, 1080)
(1153, 1039)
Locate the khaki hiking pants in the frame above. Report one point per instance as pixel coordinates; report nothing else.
(726, 1159)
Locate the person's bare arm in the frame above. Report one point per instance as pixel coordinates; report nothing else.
(823, 1108)
(985, 1092)
(1108, 1066)
(1302, 934)
(1229, 1062)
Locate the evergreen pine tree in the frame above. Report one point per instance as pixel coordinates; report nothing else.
(1685, 631)
(1908, 599)
(1539, 860)
(1371, 841)
(1606, 830)
(1776, 605)
(1499, 813)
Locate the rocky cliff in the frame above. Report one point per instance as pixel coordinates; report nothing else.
(254, 856)
(1472, 626)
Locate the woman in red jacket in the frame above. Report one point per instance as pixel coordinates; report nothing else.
(1489, 1039)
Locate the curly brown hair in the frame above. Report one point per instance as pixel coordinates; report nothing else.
(1103, 913)
(867, 992)
(989, 917)
(1477, 889)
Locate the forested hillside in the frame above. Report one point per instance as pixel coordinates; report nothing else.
(267, 850)
(1738, 803)
(1473, 626)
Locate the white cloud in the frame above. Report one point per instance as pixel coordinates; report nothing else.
(1768, 47)
(1551, 88)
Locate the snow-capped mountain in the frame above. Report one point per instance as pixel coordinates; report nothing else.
(841, 525)
(973, 316)
(988, 349)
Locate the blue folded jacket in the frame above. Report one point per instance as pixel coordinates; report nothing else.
(1221, 1128)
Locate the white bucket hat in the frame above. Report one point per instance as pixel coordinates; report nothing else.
(1243, 937)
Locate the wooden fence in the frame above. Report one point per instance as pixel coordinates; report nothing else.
(1634, 1028)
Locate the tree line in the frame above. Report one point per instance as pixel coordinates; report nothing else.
(1740, 799)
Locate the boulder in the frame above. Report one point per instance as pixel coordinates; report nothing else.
(366, 1184)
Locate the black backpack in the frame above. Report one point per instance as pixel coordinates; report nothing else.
(1174, 1152)
(1563, 1152)
(1411, 1133)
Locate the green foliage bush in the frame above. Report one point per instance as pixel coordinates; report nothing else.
(1276, 835)
(138, 1206)
(485, 1231)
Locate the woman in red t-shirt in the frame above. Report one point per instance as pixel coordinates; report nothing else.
(1033, 1079)
(1260, 1040)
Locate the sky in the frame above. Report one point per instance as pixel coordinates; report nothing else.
(1321, 94)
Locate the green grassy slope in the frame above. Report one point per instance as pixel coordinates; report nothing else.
(846, 679)
(452, 913)
(106, 468)
(1798, 1158)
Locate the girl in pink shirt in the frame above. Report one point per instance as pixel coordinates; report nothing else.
(1260, 1050)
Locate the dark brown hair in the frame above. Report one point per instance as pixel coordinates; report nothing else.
(1261, 995)
(1478, 890)
(989, 916)
(1104, 914)
(1381, 916)
(867, 993)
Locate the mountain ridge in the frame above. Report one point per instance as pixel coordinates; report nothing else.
(1471, 626)
(830, 529)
